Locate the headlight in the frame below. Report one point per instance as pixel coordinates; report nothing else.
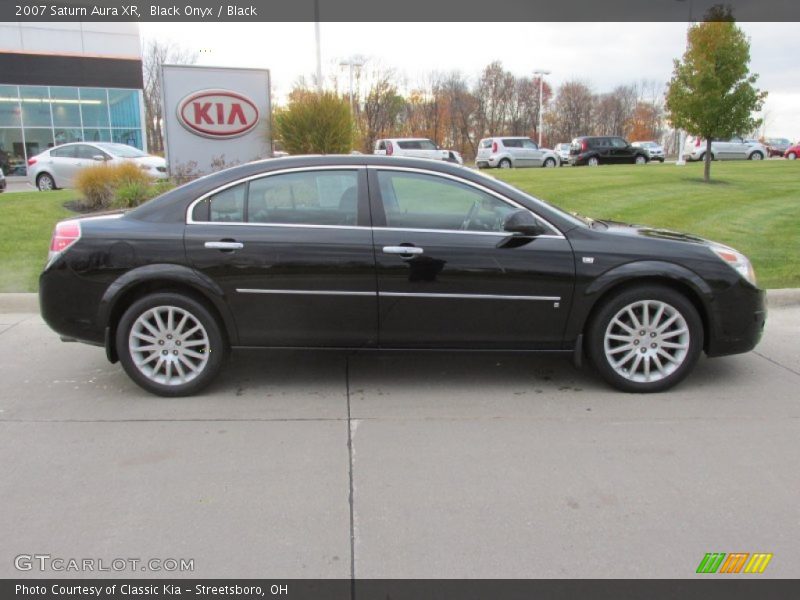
(737, 261)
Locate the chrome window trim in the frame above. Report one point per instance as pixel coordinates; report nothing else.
(191, 221)
(248, 179)
(397, 294)
(557, 233)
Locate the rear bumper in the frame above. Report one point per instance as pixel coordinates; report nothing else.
(738, 318)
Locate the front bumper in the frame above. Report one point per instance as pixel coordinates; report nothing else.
(738, 317)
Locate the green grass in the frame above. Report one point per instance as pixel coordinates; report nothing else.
(751, 206)
(28, 219)
(754, 207)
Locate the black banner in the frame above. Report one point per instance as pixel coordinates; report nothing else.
(399, 10)
(713, 588)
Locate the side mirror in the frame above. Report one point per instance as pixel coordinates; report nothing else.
(99, 157)
(524, 223)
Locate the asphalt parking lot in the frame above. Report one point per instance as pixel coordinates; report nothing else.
(399, 465)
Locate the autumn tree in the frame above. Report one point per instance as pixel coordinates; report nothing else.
(712, 92)
(315, 123)
(156, 53)
(571, 112)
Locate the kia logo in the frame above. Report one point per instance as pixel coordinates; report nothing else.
(217, 113)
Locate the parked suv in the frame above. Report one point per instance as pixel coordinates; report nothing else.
(415, 148)
(655, 151)
(57, 167)
(513, 151)
(735, 148)
(610, 150)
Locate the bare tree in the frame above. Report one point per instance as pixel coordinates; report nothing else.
(571, 113)
(613, 111)
(154, 54)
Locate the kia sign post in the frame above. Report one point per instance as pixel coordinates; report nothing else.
(214, 116)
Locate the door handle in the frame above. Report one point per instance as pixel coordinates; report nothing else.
(224, 245)
(403, 250)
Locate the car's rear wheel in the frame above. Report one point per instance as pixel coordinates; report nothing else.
(45, 182)
(645, 339)
(170, 344)
(550, 162)
(593, 162)
(504, 164)
(791, 156)
(756, 156)
(640, 160)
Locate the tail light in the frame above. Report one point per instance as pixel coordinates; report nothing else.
(494, 146)
(697, 142)
(584, 145)
(65, 235)
(389, 149)
(31, 162)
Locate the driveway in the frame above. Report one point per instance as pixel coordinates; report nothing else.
(399, 465)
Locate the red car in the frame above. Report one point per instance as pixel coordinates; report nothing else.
(792, 152)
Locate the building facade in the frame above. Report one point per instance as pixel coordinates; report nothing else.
(68, 82)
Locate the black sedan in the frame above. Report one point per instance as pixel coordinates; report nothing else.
(370, 252)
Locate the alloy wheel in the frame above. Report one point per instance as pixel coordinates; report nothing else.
(646, 341)
(169, 345)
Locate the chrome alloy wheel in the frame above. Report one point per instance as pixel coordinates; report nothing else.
(646, 341)
(169, 345)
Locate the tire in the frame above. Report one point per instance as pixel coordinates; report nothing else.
(791, 156)
(640, 160)
(665, 358)
(549, 163)
(661, 160)
(593, 161)
(45, 182)
(504, 164)
(756, 156)
(208, 347)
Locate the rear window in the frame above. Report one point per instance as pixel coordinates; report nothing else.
(486, 143)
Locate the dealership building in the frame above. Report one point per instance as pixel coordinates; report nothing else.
(68, 82)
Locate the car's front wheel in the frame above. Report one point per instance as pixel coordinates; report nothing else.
(645, 339)
(170, 344)
(550, 163)
(45, 182)
(791, 156)
(756, 156)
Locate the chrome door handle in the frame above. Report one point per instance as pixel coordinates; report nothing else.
(403, 250)
(224, 245)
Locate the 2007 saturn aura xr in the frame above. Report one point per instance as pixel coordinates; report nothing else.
(375, 252)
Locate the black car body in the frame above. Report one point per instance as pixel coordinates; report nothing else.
(605, 150)
(373, 252)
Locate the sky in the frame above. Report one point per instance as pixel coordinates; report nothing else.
(602, 55)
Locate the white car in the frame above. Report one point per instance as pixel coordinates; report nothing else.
(513, 151)
(57, 167)
(415, 148)
(735, 148)
(654, 150)
(563, 152)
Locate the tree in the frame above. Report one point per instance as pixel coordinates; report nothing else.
(315, 123)
(712, 92)
(571, 112)
(154, 54)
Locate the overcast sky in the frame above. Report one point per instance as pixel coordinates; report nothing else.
(601, 54)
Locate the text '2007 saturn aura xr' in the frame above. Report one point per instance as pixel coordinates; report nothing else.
(371, 252)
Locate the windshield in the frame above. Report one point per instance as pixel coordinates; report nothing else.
(578, 220)
(122, 150)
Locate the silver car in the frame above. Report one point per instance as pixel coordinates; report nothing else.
(57, 167)
(513, 151)
(563, 152)
(654, 150)
(735, 148)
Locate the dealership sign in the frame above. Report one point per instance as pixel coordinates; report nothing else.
(218, 113)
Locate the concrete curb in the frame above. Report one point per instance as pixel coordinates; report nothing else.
(29, 303)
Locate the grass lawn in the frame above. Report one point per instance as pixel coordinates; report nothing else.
(751, 206)
(28, 219)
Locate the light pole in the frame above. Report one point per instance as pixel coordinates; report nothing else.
(541, 75)
(353, 61)
(319, 51)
